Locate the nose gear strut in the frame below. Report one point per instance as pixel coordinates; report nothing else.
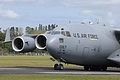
(58, 66)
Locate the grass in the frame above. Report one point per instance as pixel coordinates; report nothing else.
(43, 61)
(32, 61)
(57, 77)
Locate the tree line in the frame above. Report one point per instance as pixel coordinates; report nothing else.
(40, 29)
(18, 31)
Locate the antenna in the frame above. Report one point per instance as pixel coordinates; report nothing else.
(69, 22)
(97, 20)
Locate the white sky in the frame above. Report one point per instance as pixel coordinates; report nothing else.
(21, 13)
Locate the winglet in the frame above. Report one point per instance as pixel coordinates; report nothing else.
(7, 37)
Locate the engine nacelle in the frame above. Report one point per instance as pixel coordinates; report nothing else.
(40, 41)
(23, 44)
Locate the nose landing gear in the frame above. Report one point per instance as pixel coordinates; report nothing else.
(58, 67)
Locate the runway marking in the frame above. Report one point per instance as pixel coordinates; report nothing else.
(86, 73)
(16, 70)
(11, 68)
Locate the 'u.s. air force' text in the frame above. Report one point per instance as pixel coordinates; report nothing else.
(91, 36)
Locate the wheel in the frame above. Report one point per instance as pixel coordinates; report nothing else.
(61, 67)
(95, 68)
(58, 67)
(104, 68)
(86, 68)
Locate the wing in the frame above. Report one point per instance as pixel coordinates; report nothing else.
(27, 42)
(115, 56)
(117, 35)
(24, 43)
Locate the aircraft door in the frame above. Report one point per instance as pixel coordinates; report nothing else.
(85, 52)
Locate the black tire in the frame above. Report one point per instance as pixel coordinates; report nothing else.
(104, 68)
(61, 67)
(56, 67)
(86, 68)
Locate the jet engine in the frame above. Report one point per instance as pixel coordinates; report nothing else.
(23, 44)
(40, 41)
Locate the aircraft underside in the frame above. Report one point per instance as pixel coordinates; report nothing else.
(95, 47)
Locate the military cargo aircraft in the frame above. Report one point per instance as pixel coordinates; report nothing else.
(93, 46)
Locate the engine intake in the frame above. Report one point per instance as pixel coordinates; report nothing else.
(40, 41)
(23, 44)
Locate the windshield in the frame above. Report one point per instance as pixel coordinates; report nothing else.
(55, 32)
(66, 33)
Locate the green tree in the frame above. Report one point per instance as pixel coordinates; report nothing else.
(20, 31)
(29, 30)
(2, 36)
(12, 31)
(49, 27)
(16, 31)
(52, 26)
(8, 47)
(40, 27)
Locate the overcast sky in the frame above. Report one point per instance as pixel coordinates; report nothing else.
(22, 13)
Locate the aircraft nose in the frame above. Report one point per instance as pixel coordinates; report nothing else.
(51, 44)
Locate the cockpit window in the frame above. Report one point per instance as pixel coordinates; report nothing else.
(48, 32)
(66, 33)
(52, 32)
(63, 33)
(55, 32)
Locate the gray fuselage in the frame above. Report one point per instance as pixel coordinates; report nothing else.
(82, 44)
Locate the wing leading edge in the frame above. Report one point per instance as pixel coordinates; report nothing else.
(115, 56)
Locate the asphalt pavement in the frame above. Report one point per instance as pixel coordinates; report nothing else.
(50, 70)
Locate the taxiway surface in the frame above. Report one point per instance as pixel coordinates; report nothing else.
(50, 70)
